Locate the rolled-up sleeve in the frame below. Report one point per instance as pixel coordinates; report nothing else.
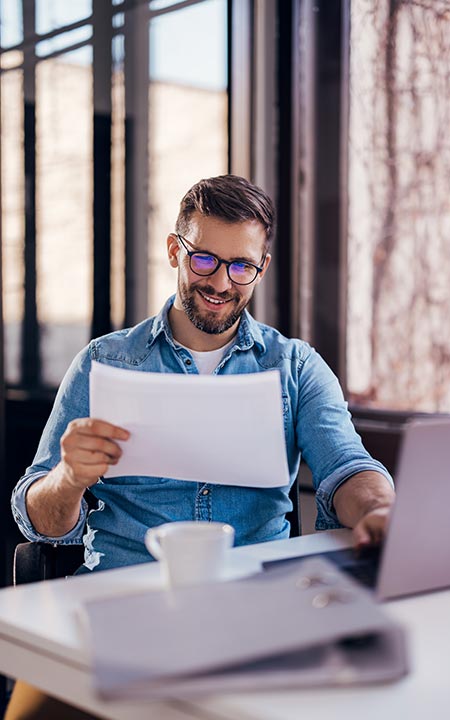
(20, 514)
(72, 401)
(327, 437)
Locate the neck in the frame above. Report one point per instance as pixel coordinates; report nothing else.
(187, 334)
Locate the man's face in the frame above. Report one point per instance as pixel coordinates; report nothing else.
(214, 303)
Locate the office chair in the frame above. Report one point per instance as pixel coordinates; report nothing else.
(34, 561)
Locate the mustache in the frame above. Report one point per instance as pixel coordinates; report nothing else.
(209, 290)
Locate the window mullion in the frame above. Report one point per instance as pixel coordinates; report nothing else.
(136, 70)
(30, 339)
(102, 72)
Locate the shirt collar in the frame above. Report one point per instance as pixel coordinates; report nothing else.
(248, 334)
(161, 324)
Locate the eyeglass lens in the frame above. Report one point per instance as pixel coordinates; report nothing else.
(239, 272)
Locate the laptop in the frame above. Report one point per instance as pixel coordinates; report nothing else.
(415, 555)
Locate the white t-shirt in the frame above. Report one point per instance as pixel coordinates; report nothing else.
(208, 360)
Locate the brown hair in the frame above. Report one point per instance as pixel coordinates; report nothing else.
(229, 198)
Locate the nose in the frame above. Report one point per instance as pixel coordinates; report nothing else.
(220, 280)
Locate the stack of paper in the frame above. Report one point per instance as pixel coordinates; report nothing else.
(225, 429)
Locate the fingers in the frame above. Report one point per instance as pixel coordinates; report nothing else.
(98, 428)
(88, 447)
(94, 457)
(361, 538)
(89, 444)
(371, 529)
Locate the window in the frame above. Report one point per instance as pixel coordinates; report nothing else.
(63, 208)
(110, 111)
(398, 344)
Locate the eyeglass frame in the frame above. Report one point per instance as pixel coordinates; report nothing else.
(220, 262)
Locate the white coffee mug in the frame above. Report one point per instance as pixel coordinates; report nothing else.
(191, 553)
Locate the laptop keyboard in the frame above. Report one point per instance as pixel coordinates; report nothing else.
(361, 565)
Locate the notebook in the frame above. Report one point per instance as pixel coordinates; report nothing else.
(415, 556)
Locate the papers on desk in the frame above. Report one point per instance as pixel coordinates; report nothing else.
(224, 429)
(301, 626)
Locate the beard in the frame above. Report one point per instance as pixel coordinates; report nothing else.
(208, 322)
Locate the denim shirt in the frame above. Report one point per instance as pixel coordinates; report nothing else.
(317, 425)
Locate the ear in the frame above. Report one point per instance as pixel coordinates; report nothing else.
(172, 250)
(267, 260)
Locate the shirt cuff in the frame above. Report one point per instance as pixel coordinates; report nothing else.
(19, 510)
(327, 517)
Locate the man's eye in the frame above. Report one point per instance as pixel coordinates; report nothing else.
(241, 268)
(204, 261)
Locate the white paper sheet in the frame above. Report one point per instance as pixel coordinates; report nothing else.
(225, 430)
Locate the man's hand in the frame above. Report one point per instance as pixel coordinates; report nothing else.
(371, 528)
(363, 502)
(88, 448)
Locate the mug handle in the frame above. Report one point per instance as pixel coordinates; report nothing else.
(152, 543)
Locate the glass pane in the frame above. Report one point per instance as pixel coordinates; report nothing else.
(398, 344)
(11, 23)
(10, 60)
(161, 4)
(64, 40)
(64, 209)
(53, 14)
(118, 20)
(118, 185)
(188, 120)
(13, 212)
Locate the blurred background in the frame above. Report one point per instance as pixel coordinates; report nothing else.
(340, 109)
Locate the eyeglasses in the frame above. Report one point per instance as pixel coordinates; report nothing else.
(240, 272)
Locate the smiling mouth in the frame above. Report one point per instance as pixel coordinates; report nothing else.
(217, 302)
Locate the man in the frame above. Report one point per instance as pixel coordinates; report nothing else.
(221, 250)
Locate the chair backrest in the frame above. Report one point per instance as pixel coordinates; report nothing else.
(34, 561)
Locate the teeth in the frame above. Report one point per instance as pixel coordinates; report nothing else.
(213, 300)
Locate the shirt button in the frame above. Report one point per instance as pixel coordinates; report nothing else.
(188, 362)
(205, 492)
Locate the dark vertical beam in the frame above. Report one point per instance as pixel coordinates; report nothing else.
(264, 136)
(136, 70)
(328, 299)
(284, 170)
(101, 310)
(102, 72)
(240, 88)
(4, 500)
(343, 197)
(229, 76)
(30, 356)
(303, 163)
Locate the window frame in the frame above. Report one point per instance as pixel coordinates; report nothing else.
(135, 29)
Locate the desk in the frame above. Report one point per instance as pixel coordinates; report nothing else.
(40, 643)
